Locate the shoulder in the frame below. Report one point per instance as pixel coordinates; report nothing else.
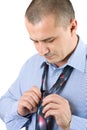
(33, 62)
(83, 46)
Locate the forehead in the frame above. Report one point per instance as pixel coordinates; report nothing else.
(46, 27)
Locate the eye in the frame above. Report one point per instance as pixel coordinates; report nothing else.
(35, 41)
(49, 40)
(52, 40)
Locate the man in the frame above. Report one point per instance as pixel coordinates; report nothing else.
(52, 27)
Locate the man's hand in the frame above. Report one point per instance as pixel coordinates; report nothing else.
(29, 101)
(57, 106)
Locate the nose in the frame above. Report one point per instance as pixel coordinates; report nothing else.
(42, 48)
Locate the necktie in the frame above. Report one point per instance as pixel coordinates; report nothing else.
(41, 122)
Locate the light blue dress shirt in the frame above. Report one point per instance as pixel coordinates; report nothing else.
(75, 91)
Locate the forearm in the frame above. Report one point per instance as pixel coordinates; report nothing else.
(8, 113)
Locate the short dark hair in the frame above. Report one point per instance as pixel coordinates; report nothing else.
(62, 10)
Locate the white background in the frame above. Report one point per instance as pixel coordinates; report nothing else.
(15, 46)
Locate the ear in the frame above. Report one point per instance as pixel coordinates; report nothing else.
(73, 26)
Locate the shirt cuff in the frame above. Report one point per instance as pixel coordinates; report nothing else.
(13, 120)
(78, 123)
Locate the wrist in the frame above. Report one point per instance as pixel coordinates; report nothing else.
(67, 127)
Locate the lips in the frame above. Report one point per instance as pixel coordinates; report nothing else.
(49, 57)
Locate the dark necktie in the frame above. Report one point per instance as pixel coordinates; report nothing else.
(41, 122)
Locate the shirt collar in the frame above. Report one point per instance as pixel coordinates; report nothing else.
(78, 59)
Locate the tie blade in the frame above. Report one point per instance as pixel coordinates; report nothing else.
(41, 123)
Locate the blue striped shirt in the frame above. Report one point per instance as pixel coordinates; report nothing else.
(75, 90)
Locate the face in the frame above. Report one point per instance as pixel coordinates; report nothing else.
(54, 42)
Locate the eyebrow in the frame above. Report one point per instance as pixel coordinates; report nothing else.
(44, 40)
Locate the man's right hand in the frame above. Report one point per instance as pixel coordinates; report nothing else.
(29, 101)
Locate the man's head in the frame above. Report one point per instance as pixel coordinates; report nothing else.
(62, 11)
(52, 27)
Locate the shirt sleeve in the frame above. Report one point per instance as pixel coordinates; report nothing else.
(9, 105)
(9, 101)
(14, 121)
(8, 113)
(78, 123)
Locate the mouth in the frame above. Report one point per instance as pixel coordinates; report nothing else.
(49, 57)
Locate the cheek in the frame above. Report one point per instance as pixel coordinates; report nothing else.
(60, 51)
(57, 48)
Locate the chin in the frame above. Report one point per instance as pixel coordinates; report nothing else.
(51, 61)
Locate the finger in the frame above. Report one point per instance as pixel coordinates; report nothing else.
(50, 106)
(26, 104)
(37, 91)
(33, 97)
(62, 119)
(54, 98)
(51, 112)
(24, 108)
